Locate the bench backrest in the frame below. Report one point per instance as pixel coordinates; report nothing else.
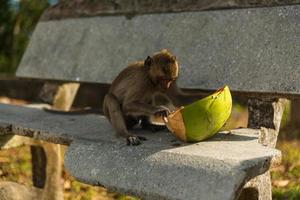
(251, 50)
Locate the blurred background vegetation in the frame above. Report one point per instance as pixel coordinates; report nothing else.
(17, 21)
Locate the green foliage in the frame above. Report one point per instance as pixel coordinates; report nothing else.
(286, 114)
(16, 27)
(6, 34)
(15, 168)
(286, 177)
(286, 194)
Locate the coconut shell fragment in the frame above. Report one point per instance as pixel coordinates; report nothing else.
(201, 119)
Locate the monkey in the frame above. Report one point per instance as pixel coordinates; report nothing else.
(144, 89)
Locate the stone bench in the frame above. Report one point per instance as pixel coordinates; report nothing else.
(254, 51)
(161, 168)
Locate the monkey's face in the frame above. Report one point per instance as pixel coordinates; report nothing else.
(164, 75)
(163, 69)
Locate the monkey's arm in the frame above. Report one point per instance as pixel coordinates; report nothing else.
(113, 112)
(137, 108)
(181, 98)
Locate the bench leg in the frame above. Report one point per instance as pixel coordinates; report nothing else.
(47, 170)
(258, 188)
(39, 163)
(65, 96)
(61, 96)
(53, 189)
(264, 114)
(46, 158)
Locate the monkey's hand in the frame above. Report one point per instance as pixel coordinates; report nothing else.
(162, 111)
(135, 140)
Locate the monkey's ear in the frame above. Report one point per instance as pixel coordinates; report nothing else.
(174, 57)
(148, 61)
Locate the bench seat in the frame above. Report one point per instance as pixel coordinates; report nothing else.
(162, 168)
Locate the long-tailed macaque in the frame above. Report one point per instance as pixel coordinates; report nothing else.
(141, 90)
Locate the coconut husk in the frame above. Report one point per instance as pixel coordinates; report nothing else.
(174, 123)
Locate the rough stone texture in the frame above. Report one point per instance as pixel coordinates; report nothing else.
(215, 169)
(84, 8)
(264, 114)
(251, 50)
(65, 96)
(53, 189)
(261, 188)
(162, 168)
(11, 141)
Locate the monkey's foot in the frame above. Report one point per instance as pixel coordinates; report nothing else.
(135, 140)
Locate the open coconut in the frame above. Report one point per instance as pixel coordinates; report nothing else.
(201, 119)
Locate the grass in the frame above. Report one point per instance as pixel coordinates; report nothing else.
(15, 165)
(286, 177)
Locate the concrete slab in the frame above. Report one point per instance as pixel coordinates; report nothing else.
(248, 49)
(161, 168)
(215, 169)
(87, 8)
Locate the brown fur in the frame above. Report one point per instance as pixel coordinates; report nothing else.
(142, 89)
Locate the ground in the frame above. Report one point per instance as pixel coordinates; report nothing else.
(286, 177)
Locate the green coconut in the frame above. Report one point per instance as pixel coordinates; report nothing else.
(201, 119)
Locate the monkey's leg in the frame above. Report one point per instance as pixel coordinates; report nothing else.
(112, 110)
